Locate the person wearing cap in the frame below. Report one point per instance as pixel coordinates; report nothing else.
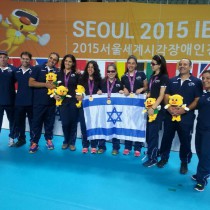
(190, 88)
(7, 93)
(43, 105)
(24, 100)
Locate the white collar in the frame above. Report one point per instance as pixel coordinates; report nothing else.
(5, 68)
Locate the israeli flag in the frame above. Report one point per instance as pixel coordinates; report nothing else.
(121, 119)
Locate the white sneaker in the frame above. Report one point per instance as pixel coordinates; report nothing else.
(11, 142)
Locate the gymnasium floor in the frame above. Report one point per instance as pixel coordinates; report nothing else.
(68, 180)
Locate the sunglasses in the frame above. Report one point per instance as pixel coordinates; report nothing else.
(111, 71)
(154, 64)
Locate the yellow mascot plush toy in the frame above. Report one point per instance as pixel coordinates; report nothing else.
(80, 91)
(148, 104)
(176, 101)
(52, 78)
(62, 92)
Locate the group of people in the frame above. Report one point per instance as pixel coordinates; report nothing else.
(32, 100)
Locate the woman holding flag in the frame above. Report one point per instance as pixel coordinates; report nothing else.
(110, 84)
(134, 82)
(90, 80)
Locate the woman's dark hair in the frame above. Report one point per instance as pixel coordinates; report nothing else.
(96, 74)
(162, 62)
(74, 63)
(131, 57)
(115, 68)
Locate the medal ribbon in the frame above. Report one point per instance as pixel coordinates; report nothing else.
(151, 82)
(66, 79)
(90, 86)
(131, 81)
(109, 89)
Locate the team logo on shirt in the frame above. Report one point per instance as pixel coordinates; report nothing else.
(73, 75)
(138, 78)
(9, 70)
(208, 99)
(117, 85)
(157, 81)
(191, 84)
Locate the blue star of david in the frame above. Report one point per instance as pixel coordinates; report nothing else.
(114, 116)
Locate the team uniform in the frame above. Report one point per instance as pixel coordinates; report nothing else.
(86, 143)
(43, 107)
(68, 109)
(23, 103)
(190, 89)
(116, 88)
(152, 132)
(140, 77)
(202, 141)
(7, 98)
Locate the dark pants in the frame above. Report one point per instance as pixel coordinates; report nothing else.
(69, 117)
(185, 134)
(11, 118)
(85, 143)
(116, 144)
(137, 145)
(43, 114)
(202, 146)
(20, 121)
(102, 144)
(152, 136)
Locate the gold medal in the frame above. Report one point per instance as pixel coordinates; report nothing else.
(108, 101)
(131, 95)
(90, 98)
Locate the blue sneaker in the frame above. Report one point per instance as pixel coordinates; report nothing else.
(50, 145)
(33, 148)
(150, 163)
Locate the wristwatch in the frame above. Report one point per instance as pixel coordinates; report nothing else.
(186, 109)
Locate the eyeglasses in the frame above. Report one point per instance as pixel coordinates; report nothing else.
(154, 64)
(111, 71)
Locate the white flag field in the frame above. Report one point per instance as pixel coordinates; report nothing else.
(122, 119)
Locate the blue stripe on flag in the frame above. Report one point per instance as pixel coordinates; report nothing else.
(115, 100)
(117, 131)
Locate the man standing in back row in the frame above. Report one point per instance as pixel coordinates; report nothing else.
(190, 88)
(7, 93)
(24, 100)
(43, 105)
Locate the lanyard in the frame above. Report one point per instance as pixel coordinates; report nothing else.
(109, 88)
(152, 81)
(66, 79)
(131, 81)
(90, 86)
